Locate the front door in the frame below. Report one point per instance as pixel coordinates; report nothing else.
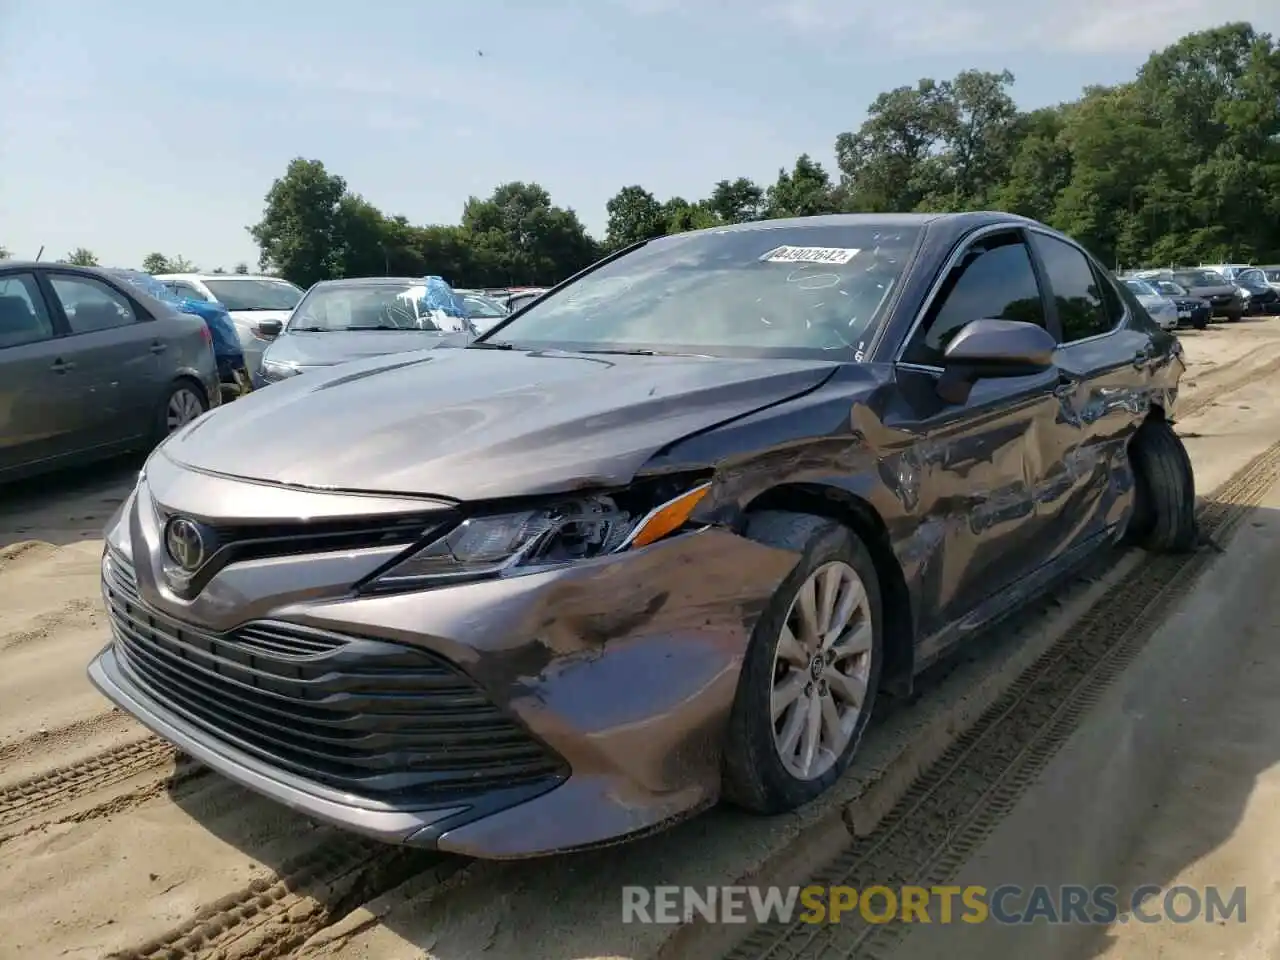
(979, 466)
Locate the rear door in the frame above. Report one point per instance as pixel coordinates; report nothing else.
(44, 407)
(117, 350)
(1105, 357)
(978, 467)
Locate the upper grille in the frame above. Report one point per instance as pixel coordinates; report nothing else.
(378, 719)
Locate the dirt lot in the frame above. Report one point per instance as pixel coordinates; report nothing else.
(1127, 733)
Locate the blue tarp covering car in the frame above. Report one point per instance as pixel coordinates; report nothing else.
(226, 343)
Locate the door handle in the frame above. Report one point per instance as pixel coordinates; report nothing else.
(159, 347)
(61, 366)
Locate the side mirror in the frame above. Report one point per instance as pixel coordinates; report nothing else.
(270, 329)
(985, 349)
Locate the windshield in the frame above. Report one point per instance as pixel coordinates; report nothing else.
(1142, 288)
(1170, 289)
(789, 291)
(363, 306)
(253, 293)
(479, 307)
(1255, 277)
(1201, 278)
(1272, 274)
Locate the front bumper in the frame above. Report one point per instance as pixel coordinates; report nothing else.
(624, 669)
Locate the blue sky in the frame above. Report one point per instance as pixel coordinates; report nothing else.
(134, 127)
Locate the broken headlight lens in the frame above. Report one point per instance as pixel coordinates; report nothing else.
(561, 533)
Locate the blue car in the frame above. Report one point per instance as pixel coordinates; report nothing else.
(226, 344)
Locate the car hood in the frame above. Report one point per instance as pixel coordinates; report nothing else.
(325, 349)
(472, 424)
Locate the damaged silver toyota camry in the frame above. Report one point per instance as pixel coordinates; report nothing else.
(660, 538)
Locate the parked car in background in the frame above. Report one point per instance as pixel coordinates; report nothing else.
(482, 310)
(1191, 310)
(633, 552)
(519, 299)
(1221, 294)
(1260, 299)
(1162, 308)
(232, 371)
(92, 366)
(341, 320)
(1272, 273)
(256, 304)
(1228, 270)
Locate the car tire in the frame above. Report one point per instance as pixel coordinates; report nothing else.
(755, 774)
(184, 401)
(1164, 511)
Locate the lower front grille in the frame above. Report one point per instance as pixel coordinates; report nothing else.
(381, 720)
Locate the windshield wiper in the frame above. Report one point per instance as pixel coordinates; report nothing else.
(490, 345)
(637, 352)
(309, 330)
(376, 326)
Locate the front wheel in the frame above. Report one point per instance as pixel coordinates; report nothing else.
(809, 679)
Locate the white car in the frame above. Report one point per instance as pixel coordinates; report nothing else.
(256, 304)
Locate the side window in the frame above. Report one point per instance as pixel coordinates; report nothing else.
(23, 317)
(1082, 306)
(994, 281)
(91, 305)
(188, 291)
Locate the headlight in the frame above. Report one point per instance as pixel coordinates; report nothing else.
(560, 533)
(278, 370)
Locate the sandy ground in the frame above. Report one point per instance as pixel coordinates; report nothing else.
(107, 841)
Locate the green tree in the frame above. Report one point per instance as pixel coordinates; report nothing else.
(218, 270)
(241, 268)
(518, 236)
(181, 264)
(299, 233)
(81, 257)
(805, 191)
(634, 215)
(154, 263)
(4, 252)
(736, 201)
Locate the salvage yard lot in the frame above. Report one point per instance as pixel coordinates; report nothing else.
(109, 842)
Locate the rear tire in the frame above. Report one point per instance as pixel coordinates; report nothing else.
(1164, 514)
(184, 402)
(761, 772)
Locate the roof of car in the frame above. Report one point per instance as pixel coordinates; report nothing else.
(218, 276)
(49, 264)
(970, 219)
(371, 282)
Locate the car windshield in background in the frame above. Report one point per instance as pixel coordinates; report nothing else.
(253, 294)
(482, 308)
(792, 291)
(1255, 277)
(1169, 288)
(1272, 275)
(1142, 288)
(1201, 278)
(380, 306)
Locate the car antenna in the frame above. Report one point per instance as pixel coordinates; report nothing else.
(40, 253)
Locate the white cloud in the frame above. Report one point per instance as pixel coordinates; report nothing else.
(1070, 26)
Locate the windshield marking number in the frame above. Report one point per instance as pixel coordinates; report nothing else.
(810, 255)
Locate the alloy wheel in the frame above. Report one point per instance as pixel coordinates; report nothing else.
(184, 406)
(821, 670)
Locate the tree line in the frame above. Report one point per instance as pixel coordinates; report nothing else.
(1181, 164)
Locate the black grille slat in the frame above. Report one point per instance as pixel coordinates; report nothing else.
(373, 717)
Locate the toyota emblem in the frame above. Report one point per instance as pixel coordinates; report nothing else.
(184, 542)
